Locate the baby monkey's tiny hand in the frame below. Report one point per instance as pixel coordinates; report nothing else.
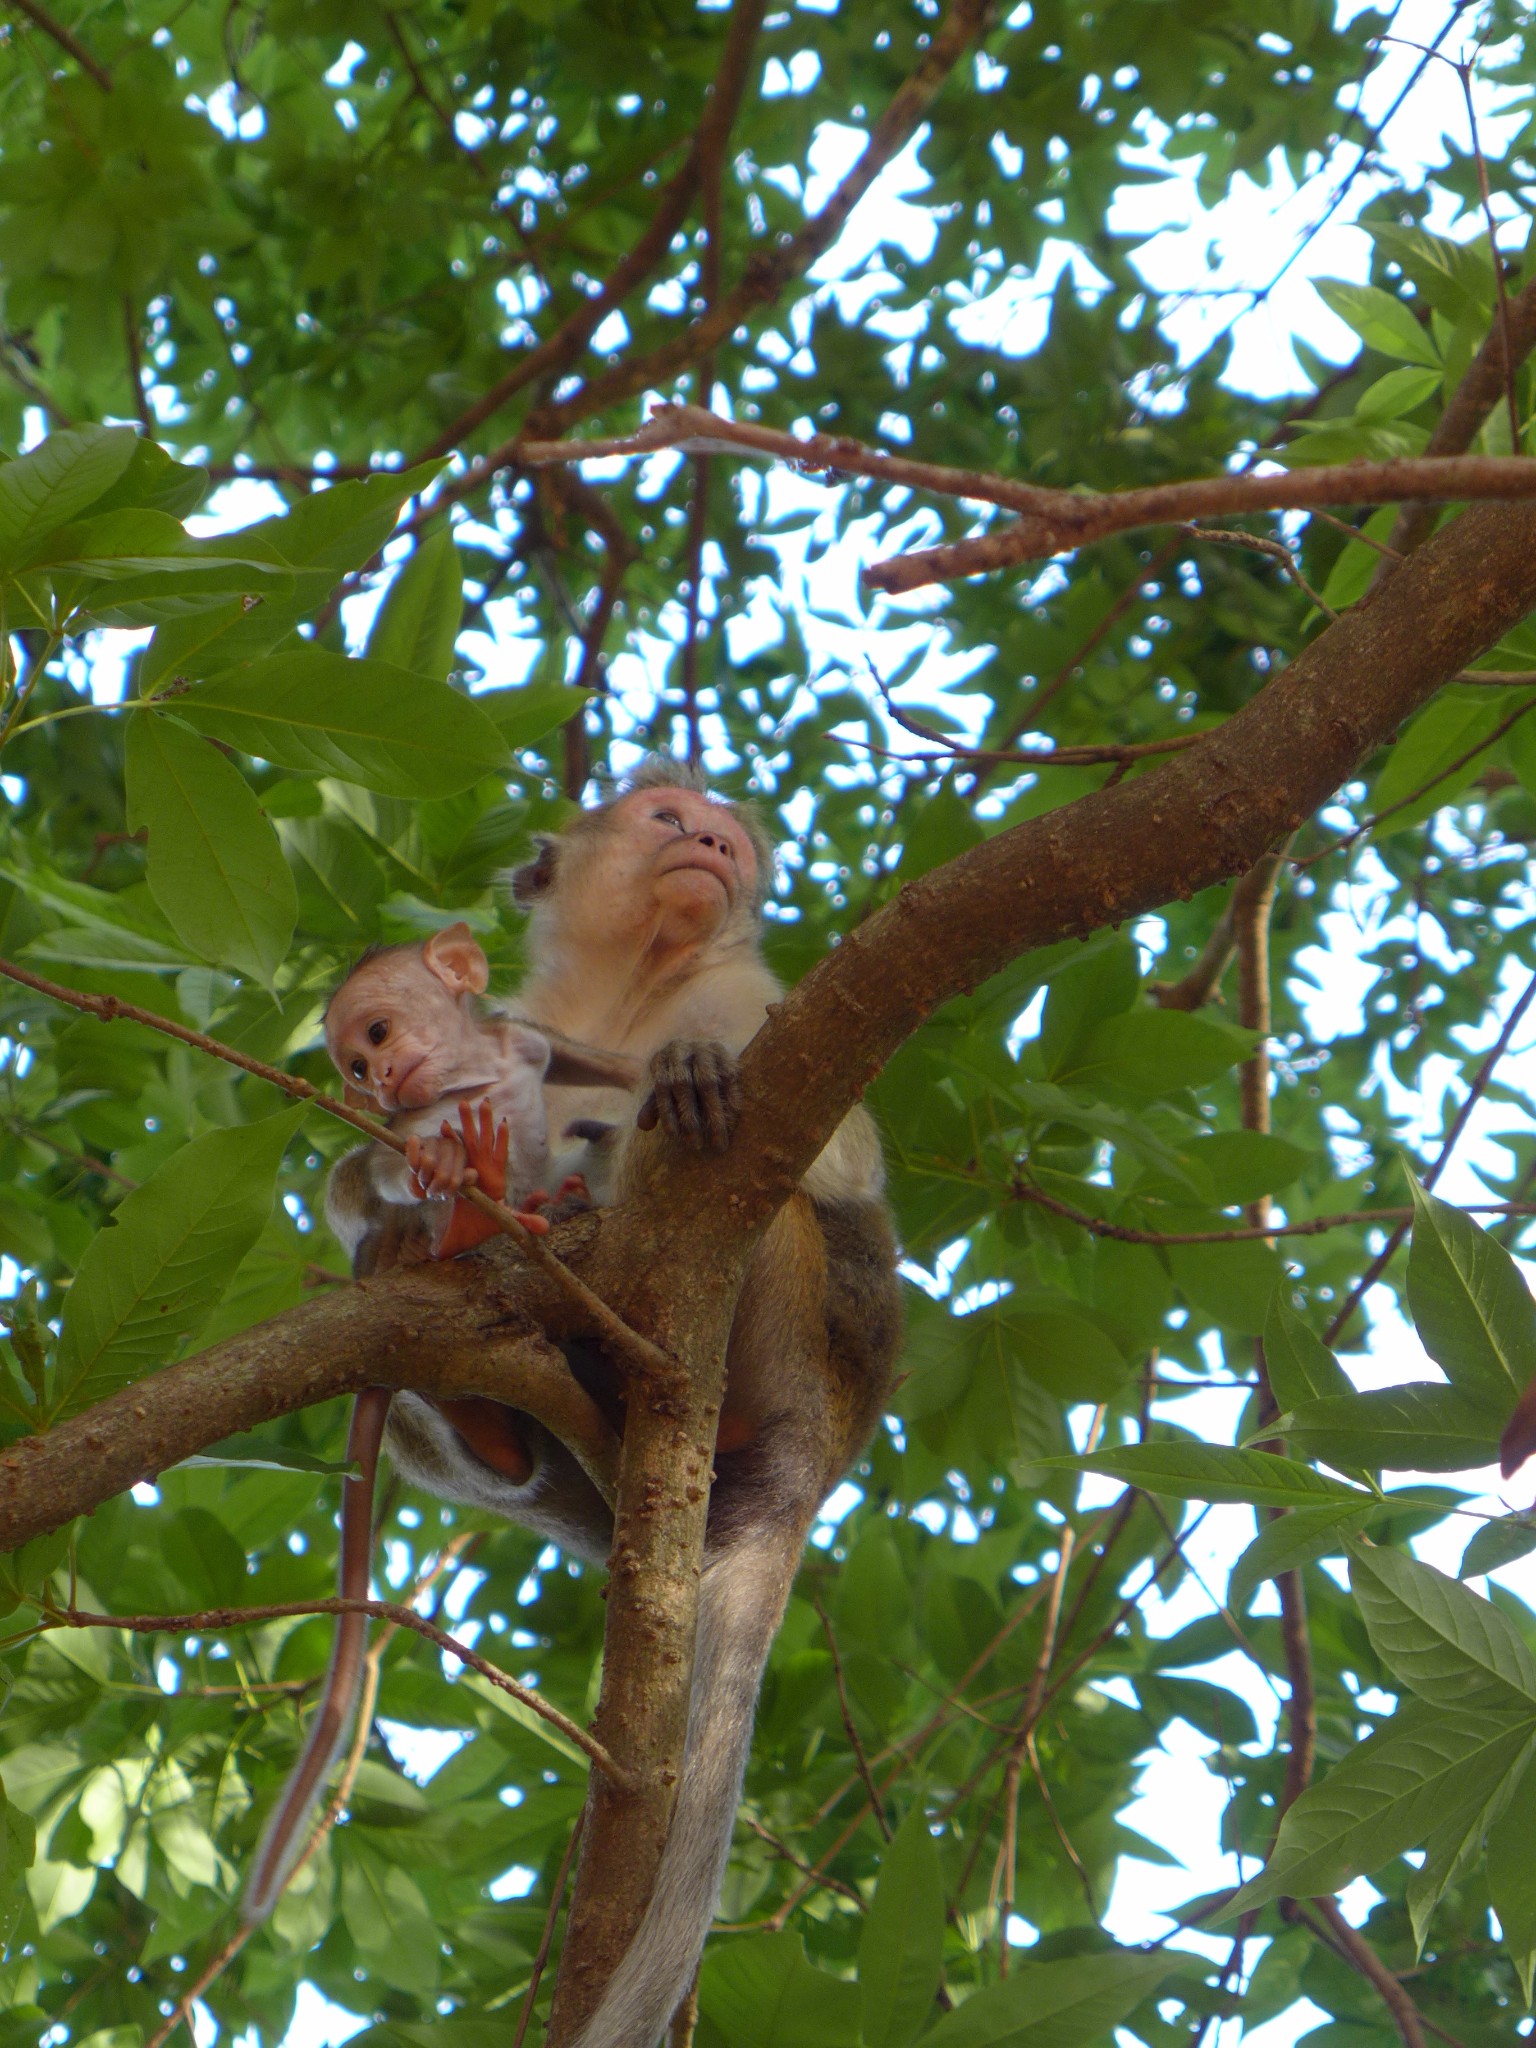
(439, 1166)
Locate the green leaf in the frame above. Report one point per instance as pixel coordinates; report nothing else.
(1449, 728)
(18, 1850)
(525, 716)
(25, 1571)
(57, 481)
(1233, 1283)
(1150, 1053)
(1497, 1544)
(1083, 993)
(901, 1948)
(1397, 393)
(418, 622)
(156, 482)
(148, 1282)
(215, 866)
(1471, 1306)
(762, 1993)
(1246, 1164)
(1067, 2004)
(1296, 1539)
(1065, 1353)
(1388, 1795)
(1381, 321)
(1212, 1472)
(1437, 1636)
(365, 721)
(1512, 1867)
(1418, 1428)
(249, 1450)
(1301, 1368)
(340, 883)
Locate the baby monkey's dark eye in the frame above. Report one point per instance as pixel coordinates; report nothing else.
(359, 1070)
(378, 1031)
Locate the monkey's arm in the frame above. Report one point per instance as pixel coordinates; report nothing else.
(375, 1232)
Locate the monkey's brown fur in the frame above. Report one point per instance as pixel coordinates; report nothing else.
(646, 940)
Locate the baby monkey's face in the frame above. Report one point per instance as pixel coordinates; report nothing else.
(403, 1031)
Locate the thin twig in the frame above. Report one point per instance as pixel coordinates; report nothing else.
(1464, 73)
(1474, 1095)
(787, 1855)
(220, 1618)
(562, 348)
(334, 1806)
(1359, 1954)
(876, 1805)
(1313, 1226)
(546, 1939)
(65, 38)
(1370, 824)
(636, 1350)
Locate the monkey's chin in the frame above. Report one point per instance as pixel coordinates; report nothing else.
(694, 904)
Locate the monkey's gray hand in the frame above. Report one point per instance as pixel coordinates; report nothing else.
(695, 1093)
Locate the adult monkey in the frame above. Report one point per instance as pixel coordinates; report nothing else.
(646, 939)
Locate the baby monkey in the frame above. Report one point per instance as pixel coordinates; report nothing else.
(408, 1032)
(410, 1035)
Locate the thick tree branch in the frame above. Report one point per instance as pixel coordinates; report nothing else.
(472, 1326)
(670, 1260)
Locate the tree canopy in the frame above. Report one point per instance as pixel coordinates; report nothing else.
(1154, 790)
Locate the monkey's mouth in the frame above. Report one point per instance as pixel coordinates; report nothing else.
(700, 861)
(408, 1096)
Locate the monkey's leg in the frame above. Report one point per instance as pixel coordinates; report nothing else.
(283, 1839)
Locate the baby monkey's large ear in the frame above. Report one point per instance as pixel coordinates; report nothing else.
(537, 878)
(458, 960)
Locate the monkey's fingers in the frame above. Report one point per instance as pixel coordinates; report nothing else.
(696, 1093)
(535, 1224)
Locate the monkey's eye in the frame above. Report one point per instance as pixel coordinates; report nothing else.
(669, 818)
(378, 1031)
(359, 1070)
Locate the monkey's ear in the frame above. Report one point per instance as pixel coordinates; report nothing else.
(458, 960)
(537, 878)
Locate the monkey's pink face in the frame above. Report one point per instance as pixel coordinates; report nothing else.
(699, 859)
(396, 1033)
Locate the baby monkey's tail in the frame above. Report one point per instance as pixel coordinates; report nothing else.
(284, 1837)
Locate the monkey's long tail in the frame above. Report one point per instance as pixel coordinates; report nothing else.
(741, 1601)
(283, 1839)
